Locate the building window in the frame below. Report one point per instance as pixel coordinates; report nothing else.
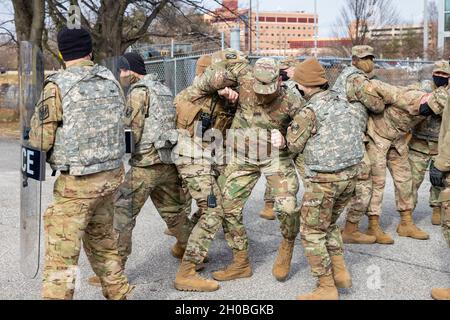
(447, 5)
(279, 19)
(262, 19)
(302, 20)
(447, 16)
(270, 19)
(292, 20)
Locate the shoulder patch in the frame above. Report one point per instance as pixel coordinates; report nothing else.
(43, 112)
(128, 112)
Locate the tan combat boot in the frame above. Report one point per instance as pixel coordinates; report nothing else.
(440, 294)
(374, 229)
(187, 279)
(352, 235)
(282, 265)
(238, 269)
(436, 216)
(94, 281)
(341, 276)
(326, 290)
(267, 213)
(178, 250)
(407, 228)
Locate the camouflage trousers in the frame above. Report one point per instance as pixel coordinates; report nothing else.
(420, 163)
(322, 204)
(360, 201)
(444, 199)
(67, 223)
(386, 155)
(163, 185)
(201, 183)
(300, 165)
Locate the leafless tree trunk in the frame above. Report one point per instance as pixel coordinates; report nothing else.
(29, 17)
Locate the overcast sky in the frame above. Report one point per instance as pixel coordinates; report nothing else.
(410, 10)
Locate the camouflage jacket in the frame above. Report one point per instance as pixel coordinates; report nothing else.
(44, 124)
(442, 161)
(253, 118)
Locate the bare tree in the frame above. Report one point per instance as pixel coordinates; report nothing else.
(29, 17)
(358, 16)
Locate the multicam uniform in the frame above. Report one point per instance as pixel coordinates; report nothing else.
(149, 108)
(422, 148)
(252, 118)
(388, 142)
(325, 133)
(354, 85)
(82, 129)
(199, 168)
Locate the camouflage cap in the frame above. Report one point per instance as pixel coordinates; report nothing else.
(228, 54)
(287, 63)
(202, 64)
(266, 73)
(442, 66)
(363, 51)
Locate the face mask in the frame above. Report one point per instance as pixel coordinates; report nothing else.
(366, 65)
(127, 81)
(284, 76)
(440, 81)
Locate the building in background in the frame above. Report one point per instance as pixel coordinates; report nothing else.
(444, 27)
(275, 29)
(400, 33)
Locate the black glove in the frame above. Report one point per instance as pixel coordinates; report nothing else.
(436, 177)
(425, 110)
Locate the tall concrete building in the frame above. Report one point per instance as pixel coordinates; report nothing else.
(275, 29)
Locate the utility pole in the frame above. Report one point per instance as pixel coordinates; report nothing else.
(316, 29)
(425, 30)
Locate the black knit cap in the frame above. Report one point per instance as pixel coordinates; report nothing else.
(134, 62)
(74, 43)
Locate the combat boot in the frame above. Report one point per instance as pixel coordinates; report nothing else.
(178, 250)
(282, 265)
(94, 281)
(436, 216)
(374, 229)
(326, 290)
(187, 279)
(352, 235)
(407, 228)
(268, 213)
(440, 294)
(342, 278)
(238, 269)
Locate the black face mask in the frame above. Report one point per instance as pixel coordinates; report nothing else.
(440, 81)
(284, 76)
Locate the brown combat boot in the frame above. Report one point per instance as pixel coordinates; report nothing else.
(407, 228)
(436, 216)
(282, 265)
(187, 279)
(374, 229)
(440, 294)
(94, 281)
(352, 235)
(267, 213)
(238, 269)
(326, 290)
(178, 250)
(341, 276)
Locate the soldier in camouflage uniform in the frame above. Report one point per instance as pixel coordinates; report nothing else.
(388, 148)
(440, 177)
(424, 145)
(264, 105)
(353, 84)
(287, 67)
(332, 147)
(150, 112)
(203, 120)
(78, 120)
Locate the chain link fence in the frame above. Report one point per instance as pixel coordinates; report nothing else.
(178, 73)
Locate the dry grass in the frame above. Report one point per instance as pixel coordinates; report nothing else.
(9, 78)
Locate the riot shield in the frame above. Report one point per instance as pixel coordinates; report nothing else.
(32, 169)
